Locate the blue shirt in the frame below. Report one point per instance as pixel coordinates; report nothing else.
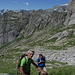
(41, 64)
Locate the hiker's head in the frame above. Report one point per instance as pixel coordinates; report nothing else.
(40, 55)
(30, 53)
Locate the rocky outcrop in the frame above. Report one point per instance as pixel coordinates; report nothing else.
(3, 11)
(66, 56)
(70, 18)
(4, 74)
(11, 23)
(60, 8)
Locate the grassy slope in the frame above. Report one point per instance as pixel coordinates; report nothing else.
(12, 50)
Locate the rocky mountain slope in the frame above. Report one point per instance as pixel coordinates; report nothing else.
(12, 24)
(38, 30)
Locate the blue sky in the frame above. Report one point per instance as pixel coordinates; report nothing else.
(30, 4)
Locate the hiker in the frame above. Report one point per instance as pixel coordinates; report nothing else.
(26, 62)
(41, 63)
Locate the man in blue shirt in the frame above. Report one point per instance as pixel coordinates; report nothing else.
(41, 63)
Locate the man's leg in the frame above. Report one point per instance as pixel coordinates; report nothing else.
(39, 73)
(46, 74)
(27, 73)
(44, 69)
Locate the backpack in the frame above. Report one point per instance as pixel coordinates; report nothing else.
(19, 61)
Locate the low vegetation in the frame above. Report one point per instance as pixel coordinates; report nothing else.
(9, 65)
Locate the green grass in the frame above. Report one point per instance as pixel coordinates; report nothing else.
(67, 70)
(51, 40)
(9, 65)
(53, 62)
(20, 38)
(5, 45)
(63, 47)
(37, 43)
(8, 62)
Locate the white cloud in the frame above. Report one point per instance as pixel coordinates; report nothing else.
(26, 3)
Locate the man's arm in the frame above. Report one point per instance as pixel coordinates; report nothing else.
(21, 71)
(38, 67)
(42, 61)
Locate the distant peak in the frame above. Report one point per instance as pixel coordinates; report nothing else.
(64, 4)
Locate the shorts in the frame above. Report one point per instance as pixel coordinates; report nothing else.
(27, 73)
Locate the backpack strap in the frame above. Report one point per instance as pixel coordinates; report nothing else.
(26, 59)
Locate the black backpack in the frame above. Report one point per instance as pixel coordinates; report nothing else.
(19, 62)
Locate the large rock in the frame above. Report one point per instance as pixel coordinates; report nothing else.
(4, 74)
(72, 19)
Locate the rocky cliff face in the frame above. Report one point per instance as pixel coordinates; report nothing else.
(11, 23)
(70, 19)
(41, 19)
(24, 23)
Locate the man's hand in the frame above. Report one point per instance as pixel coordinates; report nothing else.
(42, 72)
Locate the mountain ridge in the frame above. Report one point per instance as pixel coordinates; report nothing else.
(26, 23)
